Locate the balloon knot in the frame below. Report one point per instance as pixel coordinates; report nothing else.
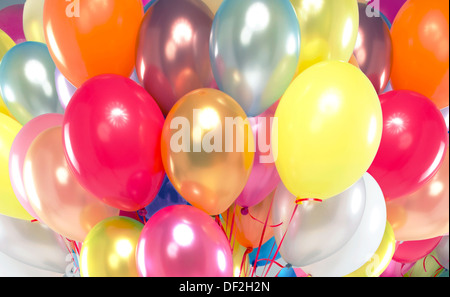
(142, 212)
(244, 211)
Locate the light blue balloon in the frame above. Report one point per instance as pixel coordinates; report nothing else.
(27, 81)
(254, 51)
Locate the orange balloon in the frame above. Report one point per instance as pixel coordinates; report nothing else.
(420, 38)
(248, 228)
(423, 214)
(87, 38)
(353, 61)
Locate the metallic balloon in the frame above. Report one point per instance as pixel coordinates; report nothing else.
(172, 54)
(6, 43)
(364, 242)
(33, 20)
(109, 249)
(329, 29)
(207, 149)
(33, 243)
(445, 115)
(254, 51)
(11, 21)
(54, 193)
(373, 49)
(213, 4)
(13, 268)
(442, 252)
(315, 230)
(27, 81)
(64, 88)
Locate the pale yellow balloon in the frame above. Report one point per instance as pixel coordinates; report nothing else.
(241, 260)
(213, 4)
(9, 205)
(329, 30)
(382, 257)
(6, 43)
(33, 20)
(425, 267)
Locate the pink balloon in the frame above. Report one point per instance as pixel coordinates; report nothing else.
(19, 150)
(111, 132)
(183, 241)
(413, 144)
(390, 8)
(11, 22)
(264, 176)
(412, 251)
(397, 269)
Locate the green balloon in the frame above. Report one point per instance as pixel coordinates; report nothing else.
(27, 81)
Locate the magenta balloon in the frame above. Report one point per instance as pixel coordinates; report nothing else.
(11, 22)
(172, 54)
(264, 176)
(19, 150)
(412, 251)
(183, 241)
(397, 269)
(390, 8)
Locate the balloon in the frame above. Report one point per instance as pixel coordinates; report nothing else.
(426, 267)
(172, 55)
(329, 30)
(396, 269)
(390, 8)
(241, 263)
(264, 177)
(13, 268)
(252, 227)
(337, 219)
(445, 115)
(6, 43)
(19, 149)
(254, 50)
(265, 251)
(364, 242)
(412, 251)
(213, 4)
(64, 88)
(183, 241)
(124, 148)
(379, 262)
(87, 38)
(32, 243)
(9, 205)
(329, 130)
(420, 41)
(373, 49)
(27, 81)
(166, 196)
(207, 149)
(110, 248)
(442, 252)
(11, 22)
(33, 20)
(424, 213)
(54, 193)
(353, 61)
(413, 143)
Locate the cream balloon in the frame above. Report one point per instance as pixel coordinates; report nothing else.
(33, 20)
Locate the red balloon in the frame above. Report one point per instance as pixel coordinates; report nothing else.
(412, 251)
(413, 144)
(111, 132)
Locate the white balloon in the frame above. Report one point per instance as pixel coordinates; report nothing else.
(442, 252)
(365, 241)
(10, 267)
(444, 112)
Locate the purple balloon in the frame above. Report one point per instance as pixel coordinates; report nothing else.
(172, 54)
(264, 176)
(373, 49)
(390, 8)
(11, 22)
(19, 150)
(64, 88)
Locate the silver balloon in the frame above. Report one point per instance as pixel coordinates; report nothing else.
(444, 112)
(254, 50)
(10, 267)
(317, 229)
(364, 242)
(442, 252)
(33, 243)
(27, 81)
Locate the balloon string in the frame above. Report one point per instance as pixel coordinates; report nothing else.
(34, 220)
(282, 239)
(247, 251)
(265, 266)
(271, 226)
(301, 200)
(232, 224)
(262, 236)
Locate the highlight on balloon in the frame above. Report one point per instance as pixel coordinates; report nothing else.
(223, 139)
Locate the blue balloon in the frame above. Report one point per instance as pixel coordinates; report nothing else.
(444, 273)
(267, 251)
(287, 272)
(167, 196)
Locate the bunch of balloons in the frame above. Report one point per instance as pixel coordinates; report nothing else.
(194, 138)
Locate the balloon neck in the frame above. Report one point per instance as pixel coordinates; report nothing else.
(244, 211)
(142, 212)
(301, 200)
(288, 266)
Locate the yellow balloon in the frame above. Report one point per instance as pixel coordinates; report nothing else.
(6, 43)
(33, 20)
(109, 248)
(241, 260)
(329, 130)
(381, 259)
(9, 205)
(329, 30)
(425, 267)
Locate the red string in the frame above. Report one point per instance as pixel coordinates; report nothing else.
(271, 226)
(300, 200)
(247, 251)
